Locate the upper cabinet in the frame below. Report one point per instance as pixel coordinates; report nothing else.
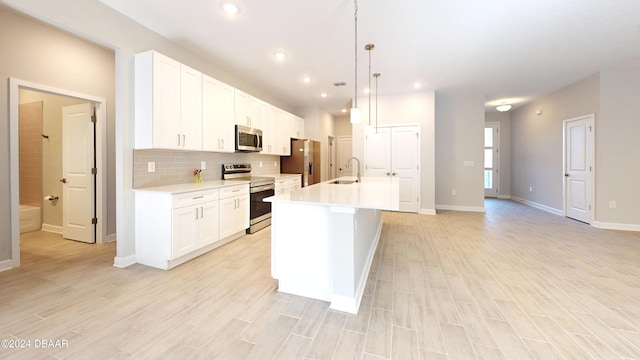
(247, 110)
(178, 107)
(218, 116)
(168, 107)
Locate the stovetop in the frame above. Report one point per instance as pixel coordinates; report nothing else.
(243, 172)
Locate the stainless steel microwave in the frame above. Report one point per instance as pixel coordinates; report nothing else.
(248, 139)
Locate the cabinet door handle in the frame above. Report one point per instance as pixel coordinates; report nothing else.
(178, 139)
(201, 212)
(197, 197)
(388, 174)
(222, 144)
(183, 140)
(196, 213)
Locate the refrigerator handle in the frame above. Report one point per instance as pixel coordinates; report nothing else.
(310, 168)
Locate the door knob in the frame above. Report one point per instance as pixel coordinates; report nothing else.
(566, 174)
(63, 180)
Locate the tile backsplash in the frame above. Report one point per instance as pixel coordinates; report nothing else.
(176, 167)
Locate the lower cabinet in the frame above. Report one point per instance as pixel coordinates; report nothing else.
(234, 210)
(174, 228)
(288, 184)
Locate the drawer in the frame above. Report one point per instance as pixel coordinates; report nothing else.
(231, 191)
(194, 197)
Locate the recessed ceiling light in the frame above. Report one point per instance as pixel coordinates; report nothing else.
(230, 8)
(417, 85)
(344, 110)
(366, 91)
(280, 55)
(324, 95)
(306, 79)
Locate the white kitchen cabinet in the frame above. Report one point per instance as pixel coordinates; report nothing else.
(168, 103)
(286, 184)
(284, 120)
(269, 119)
(218, 116)
(297, 127)
(234, 210)
(247, 110)
(173, 228)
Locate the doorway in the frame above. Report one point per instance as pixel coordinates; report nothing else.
(332, 156)
(98, 157)
(491, 159)
(578, 164)
(343, 153)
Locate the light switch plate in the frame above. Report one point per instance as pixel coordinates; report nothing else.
(151, 166)
(203, 165)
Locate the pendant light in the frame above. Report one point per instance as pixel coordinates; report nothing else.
(355, 111)
(376, 75)
(369, 47)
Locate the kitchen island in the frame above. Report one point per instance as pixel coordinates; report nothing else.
(323, 238)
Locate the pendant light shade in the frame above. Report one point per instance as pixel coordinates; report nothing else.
(355, 111)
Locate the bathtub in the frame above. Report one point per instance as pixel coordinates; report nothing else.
(29, 218)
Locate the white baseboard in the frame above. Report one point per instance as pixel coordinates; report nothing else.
(52, 228)
(6, 265)
(460, 208)
(427, 211)
(615, 226)
(110, 238)
(506, 197)
(123, 262)
(538, 206)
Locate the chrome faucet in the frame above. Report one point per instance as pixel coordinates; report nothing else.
(349, 161)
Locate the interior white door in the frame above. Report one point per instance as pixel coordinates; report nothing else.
(344, 153)
(578, 157)
(377, 157)
(491, 159)
(78, 194)
(405, 160)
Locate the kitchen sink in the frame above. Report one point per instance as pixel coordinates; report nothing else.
(343, 182)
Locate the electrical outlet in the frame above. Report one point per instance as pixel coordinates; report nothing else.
(275, 163)
(260, 164)
(203, 165)
(151, 166)
(453, 192)
(612, 204)
(530, 188)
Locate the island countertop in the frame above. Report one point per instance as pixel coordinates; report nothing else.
(369, 193)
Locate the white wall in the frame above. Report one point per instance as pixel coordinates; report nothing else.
(536, 140)
(618, 148)
(459, 134)
(504, 166)
(318, 125)
(342, 125)
(410, 108)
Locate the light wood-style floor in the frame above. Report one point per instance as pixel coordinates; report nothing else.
(514, 283)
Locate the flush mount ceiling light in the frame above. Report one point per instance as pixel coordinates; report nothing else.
(355, 111)
(344, 110)
(230, 8)
(280, 55)
(504, 107)
(306, 79)
(417, 85)
(323, 95)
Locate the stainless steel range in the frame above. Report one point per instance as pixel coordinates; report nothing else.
(260, 187)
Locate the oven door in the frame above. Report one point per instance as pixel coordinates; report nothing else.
(259, 209)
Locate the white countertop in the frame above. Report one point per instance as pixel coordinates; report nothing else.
(371, 193)
(281, 176)
(190, 187)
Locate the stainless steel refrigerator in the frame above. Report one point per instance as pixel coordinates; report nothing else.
(304, 159)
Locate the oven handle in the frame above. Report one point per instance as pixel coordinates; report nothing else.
(260, 188)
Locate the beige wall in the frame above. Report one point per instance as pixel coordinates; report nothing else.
(30, 148)
(618, 147)
(51, 162)
(459, 152)
(342, 126)
(47, 56)
(536, 159)
(504, 119)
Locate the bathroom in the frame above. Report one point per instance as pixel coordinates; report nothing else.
(40, 160)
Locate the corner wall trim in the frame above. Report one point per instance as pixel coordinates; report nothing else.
(123, 262)
(460, 208)
(615, 226)
(6, 265)
(538, 206)
(427, 211)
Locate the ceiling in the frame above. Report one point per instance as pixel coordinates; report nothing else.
(512, 51)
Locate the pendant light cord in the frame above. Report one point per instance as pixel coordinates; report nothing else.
(355, 16)
(370, 47)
